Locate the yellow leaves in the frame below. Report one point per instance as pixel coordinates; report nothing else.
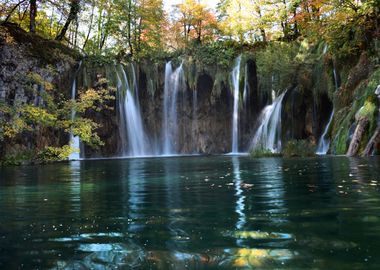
(36, 78)
(255, 257)
(93, 99)
(14, 127)
(9, 39)
(50, 153)
(251, 257)
(38, 115)
(87, 100)
(244, 19)
(84, 128)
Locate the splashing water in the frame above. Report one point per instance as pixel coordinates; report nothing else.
(174, 81)
(268, 135)
(74, 140)
(324, 141)
(130, 125)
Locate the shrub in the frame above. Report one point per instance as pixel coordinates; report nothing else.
(259, 153)
(50, 154)
(298, 148)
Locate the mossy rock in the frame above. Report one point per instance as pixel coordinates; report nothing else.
(298, 148)
(47, 51)
(261, 153)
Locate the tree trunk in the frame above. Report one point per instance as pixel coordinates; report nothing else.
(373, 143)
(33, 15)
(76, 32)
(129, 26)
(74, 9)
(263, 34)
(89, 27)
(357, 137)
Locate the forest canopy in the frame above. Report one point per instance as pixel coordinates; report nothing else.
(142, 27)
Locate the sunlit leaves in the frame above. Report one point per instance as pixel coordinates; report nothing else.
(193, 21)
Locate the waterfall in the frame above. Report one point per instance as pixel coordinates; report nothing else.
(174, 80)
(324, 141)
(325, 48)
(268, 135)
(336, 83)
(130, 125)
(235, 116)
(74, 140)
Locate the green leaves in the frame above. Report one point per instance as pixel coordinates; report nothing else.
(55, 113)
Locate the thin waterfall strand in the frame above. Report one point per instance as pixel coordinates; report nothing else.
(235, 115)
(324, 141)
(74, 140)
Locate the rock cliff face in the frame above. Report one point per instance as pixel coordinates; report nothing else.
(206, 128)
(204, 114)
(30, 66)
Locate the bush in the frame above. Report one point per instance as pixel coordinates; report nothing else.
(298, 148)
(17, 159)
(259, 153)
(50, 154)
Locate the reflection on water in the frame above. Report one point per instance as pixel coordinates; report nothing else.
(192, 213)
(273, 185)
(75, 186)
(238, 193)
(173, 181)
(136, 183)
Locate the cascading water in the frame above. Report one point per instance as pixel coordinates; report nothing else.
(235, 116)
(121, 110)
(268, 135)
(174, 80)
(336, 82)
(131, 125)
(324, 141)
(74, 140)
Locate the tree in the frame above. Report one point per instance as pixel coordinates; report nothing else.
(197, 22)
(33, 15)
(74, 9)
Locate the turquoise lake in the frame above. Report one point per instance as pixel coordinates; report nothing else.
(217, 212)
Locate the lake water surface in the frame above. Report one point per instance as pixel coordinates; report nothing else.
(192, 213)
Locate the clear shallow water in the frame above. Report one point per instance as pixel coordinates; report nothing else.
(192, 213)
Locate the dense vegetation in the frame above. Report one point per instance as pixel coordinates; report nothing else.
(139, 28)
(286, 37)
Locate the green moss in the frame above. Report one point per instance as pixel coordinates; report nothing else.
(343, 120)
(191, 72)
(260, 153)
(151, 70)
(298, 148)
(365, 104)
(368, 108)
(20, 158)
(47, 51)
(276, 65)
(340, 143)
